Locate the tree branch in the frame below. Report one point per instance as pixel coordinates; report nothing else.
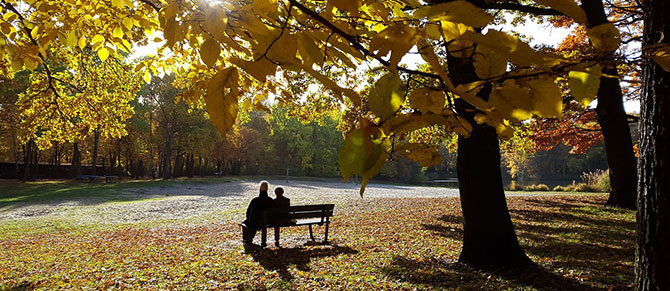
(355, 43)
(523, 8)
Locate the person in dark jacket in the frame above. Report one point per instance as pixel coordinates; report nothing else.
(282, 202)
(254, 212)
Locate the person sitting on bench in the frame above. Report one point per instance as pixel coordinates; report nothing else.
(254, 212)
(282, 202)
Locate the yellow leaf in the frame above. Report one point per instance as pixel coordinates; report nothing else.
(361, 155)
(425, 155)
(661, 55)
(71, 39)
(351, 155)
(103, 53)
(507, 46)
(433, 31)
(10, 16)
(604, 37)
(350, 6)
(117, 3)
(284, 49)
(309, 52)
(513, 102)
(488, 64)
(259, 69)
(246, 105)
(397, 39)
(97, 39)
(147, 77)
(568, 7)
(456, 11)
(118, 32)
(221, 99)
(82, 42)
(128, 23)
(209, 52)
(584, 85)
(170, 32)
(385, 97)
(547, 97)
(427, 100)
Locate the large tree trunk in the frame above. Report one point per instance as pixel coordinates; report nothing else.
(166, 158)
(618, 142)
(653, 203)
(489, 238)
(75, 166)
(26, 161)
(16, 155)
(614, 124)
(96, 141)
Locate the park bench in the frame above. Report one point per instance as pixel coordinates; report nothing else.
(92, 178)
(298, 216)
(447, 181)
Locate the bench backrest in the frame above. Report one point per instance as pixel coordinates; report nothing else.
(322, 211)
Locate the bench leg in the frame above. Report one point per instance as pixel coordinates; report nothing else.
(264, 235)
(325, 241)
(311, 235)
(277, 236)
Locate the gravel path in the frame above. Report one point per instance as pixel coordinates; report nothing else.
(188, 200)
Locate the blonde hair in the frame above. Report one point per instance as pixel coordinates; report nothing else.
(263, 186)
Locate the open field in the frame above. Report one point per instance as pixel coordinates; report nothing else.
(183, 235)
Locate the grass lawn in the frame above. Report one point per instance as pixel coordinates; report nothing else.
(376, 243)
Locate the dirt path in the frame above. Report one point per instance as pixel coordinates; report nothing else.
(194, 201)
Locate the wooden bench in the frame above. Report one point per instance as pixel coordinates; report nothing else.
(299, 215)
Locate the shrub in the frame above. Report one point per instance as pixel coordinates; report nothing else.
(604, 182)
(514, 186)
(597, 181)
(583, 187)
(559, 188)
(538, 187)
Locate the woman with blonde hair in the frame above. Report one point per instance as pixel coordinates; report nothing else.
(254, 212)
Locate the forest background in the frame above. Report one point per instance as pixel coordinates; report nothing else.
(281, 143)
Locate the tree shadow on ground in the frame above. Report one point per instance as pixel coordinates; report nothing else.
(25, 286)
(438, 274)
(53, 193)
(572, 236)
(280, 259)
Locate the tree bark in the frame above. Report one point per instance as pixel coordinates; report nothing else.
(75, 165)
(614, 123)
(166, 158)
(16, 155)
(96, 141)
(653, 204)
(489, 238)
(26, 162)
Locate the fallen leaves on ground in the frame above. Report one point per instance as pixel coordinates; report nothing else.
(400, 243)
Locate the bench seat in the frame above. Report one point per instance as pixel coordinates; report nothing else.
(300, 215)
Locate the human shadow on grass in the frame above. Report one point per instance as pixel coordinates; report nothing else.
(592, 243)
(280, 259)
(438, 274)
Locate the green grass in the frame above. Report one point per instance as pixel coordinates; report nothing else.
(376, 244)
(12, 192)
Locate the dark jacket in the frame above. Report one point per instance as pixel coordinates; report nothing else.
(282, 202)
(255, 209)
